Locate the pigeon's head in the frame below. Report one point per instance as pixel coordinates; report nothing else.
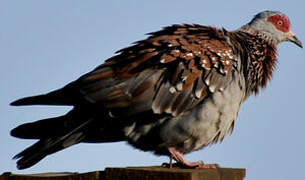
(275, 25)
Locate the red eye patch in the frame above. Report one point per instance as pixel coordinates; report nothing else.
(280, 22)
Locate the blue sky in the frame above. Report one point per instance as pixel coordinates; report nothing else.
(47, 44)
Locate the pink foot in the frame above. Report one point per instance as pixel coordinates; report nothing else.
(178, 156)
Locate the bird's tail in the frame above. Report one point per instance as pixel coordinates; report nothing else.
(46, 99)
(55, 134)
(68, 95)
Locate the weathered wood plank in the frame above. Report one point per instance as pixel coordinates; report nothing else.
(161, 173)
(96, 175)
(137, 173)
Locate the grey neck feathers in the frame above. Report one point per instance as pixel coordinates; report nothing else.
(254, 29)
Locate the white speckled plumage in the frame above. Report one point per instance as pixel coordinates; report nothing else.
(175, 92)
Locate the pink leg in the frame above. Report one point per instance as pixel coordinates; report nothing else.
(178, 156)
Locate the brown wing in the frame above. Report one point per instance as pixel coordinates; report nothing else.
(170, 72)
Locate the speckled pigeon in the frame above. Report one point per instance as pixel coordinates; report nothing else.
(175, 92)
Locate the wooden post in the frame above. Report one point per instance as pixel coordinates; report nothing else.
(138, 173)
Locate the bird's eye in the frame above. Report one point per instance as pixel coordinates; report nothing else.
(280, 22)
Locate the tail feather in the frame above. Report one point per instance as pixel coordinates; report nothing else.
(41, 129)
(68, 95)
(53, 98)
(36, 100)
(54, 134)
(30, 160)
(46, 146)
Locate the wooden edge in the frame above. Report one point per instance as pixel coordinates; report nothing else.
(160, 173)
(95, 175)
(137, 173)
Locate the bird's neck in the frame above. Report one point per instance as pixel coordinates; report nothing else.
(267, 36)
(259, 55)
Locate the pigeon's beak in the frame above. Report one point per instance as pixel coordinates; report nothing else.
(294, 39)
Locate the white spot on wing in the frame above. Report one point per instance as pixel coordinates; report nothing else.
(111, 114)
(198, 93)
(221, 71)
(179, 86)
(189, 54)
(207, 81)
(212, 88)
(172, 90)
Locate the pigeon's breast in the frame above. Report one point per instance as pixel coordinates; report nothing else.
(208, 122)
